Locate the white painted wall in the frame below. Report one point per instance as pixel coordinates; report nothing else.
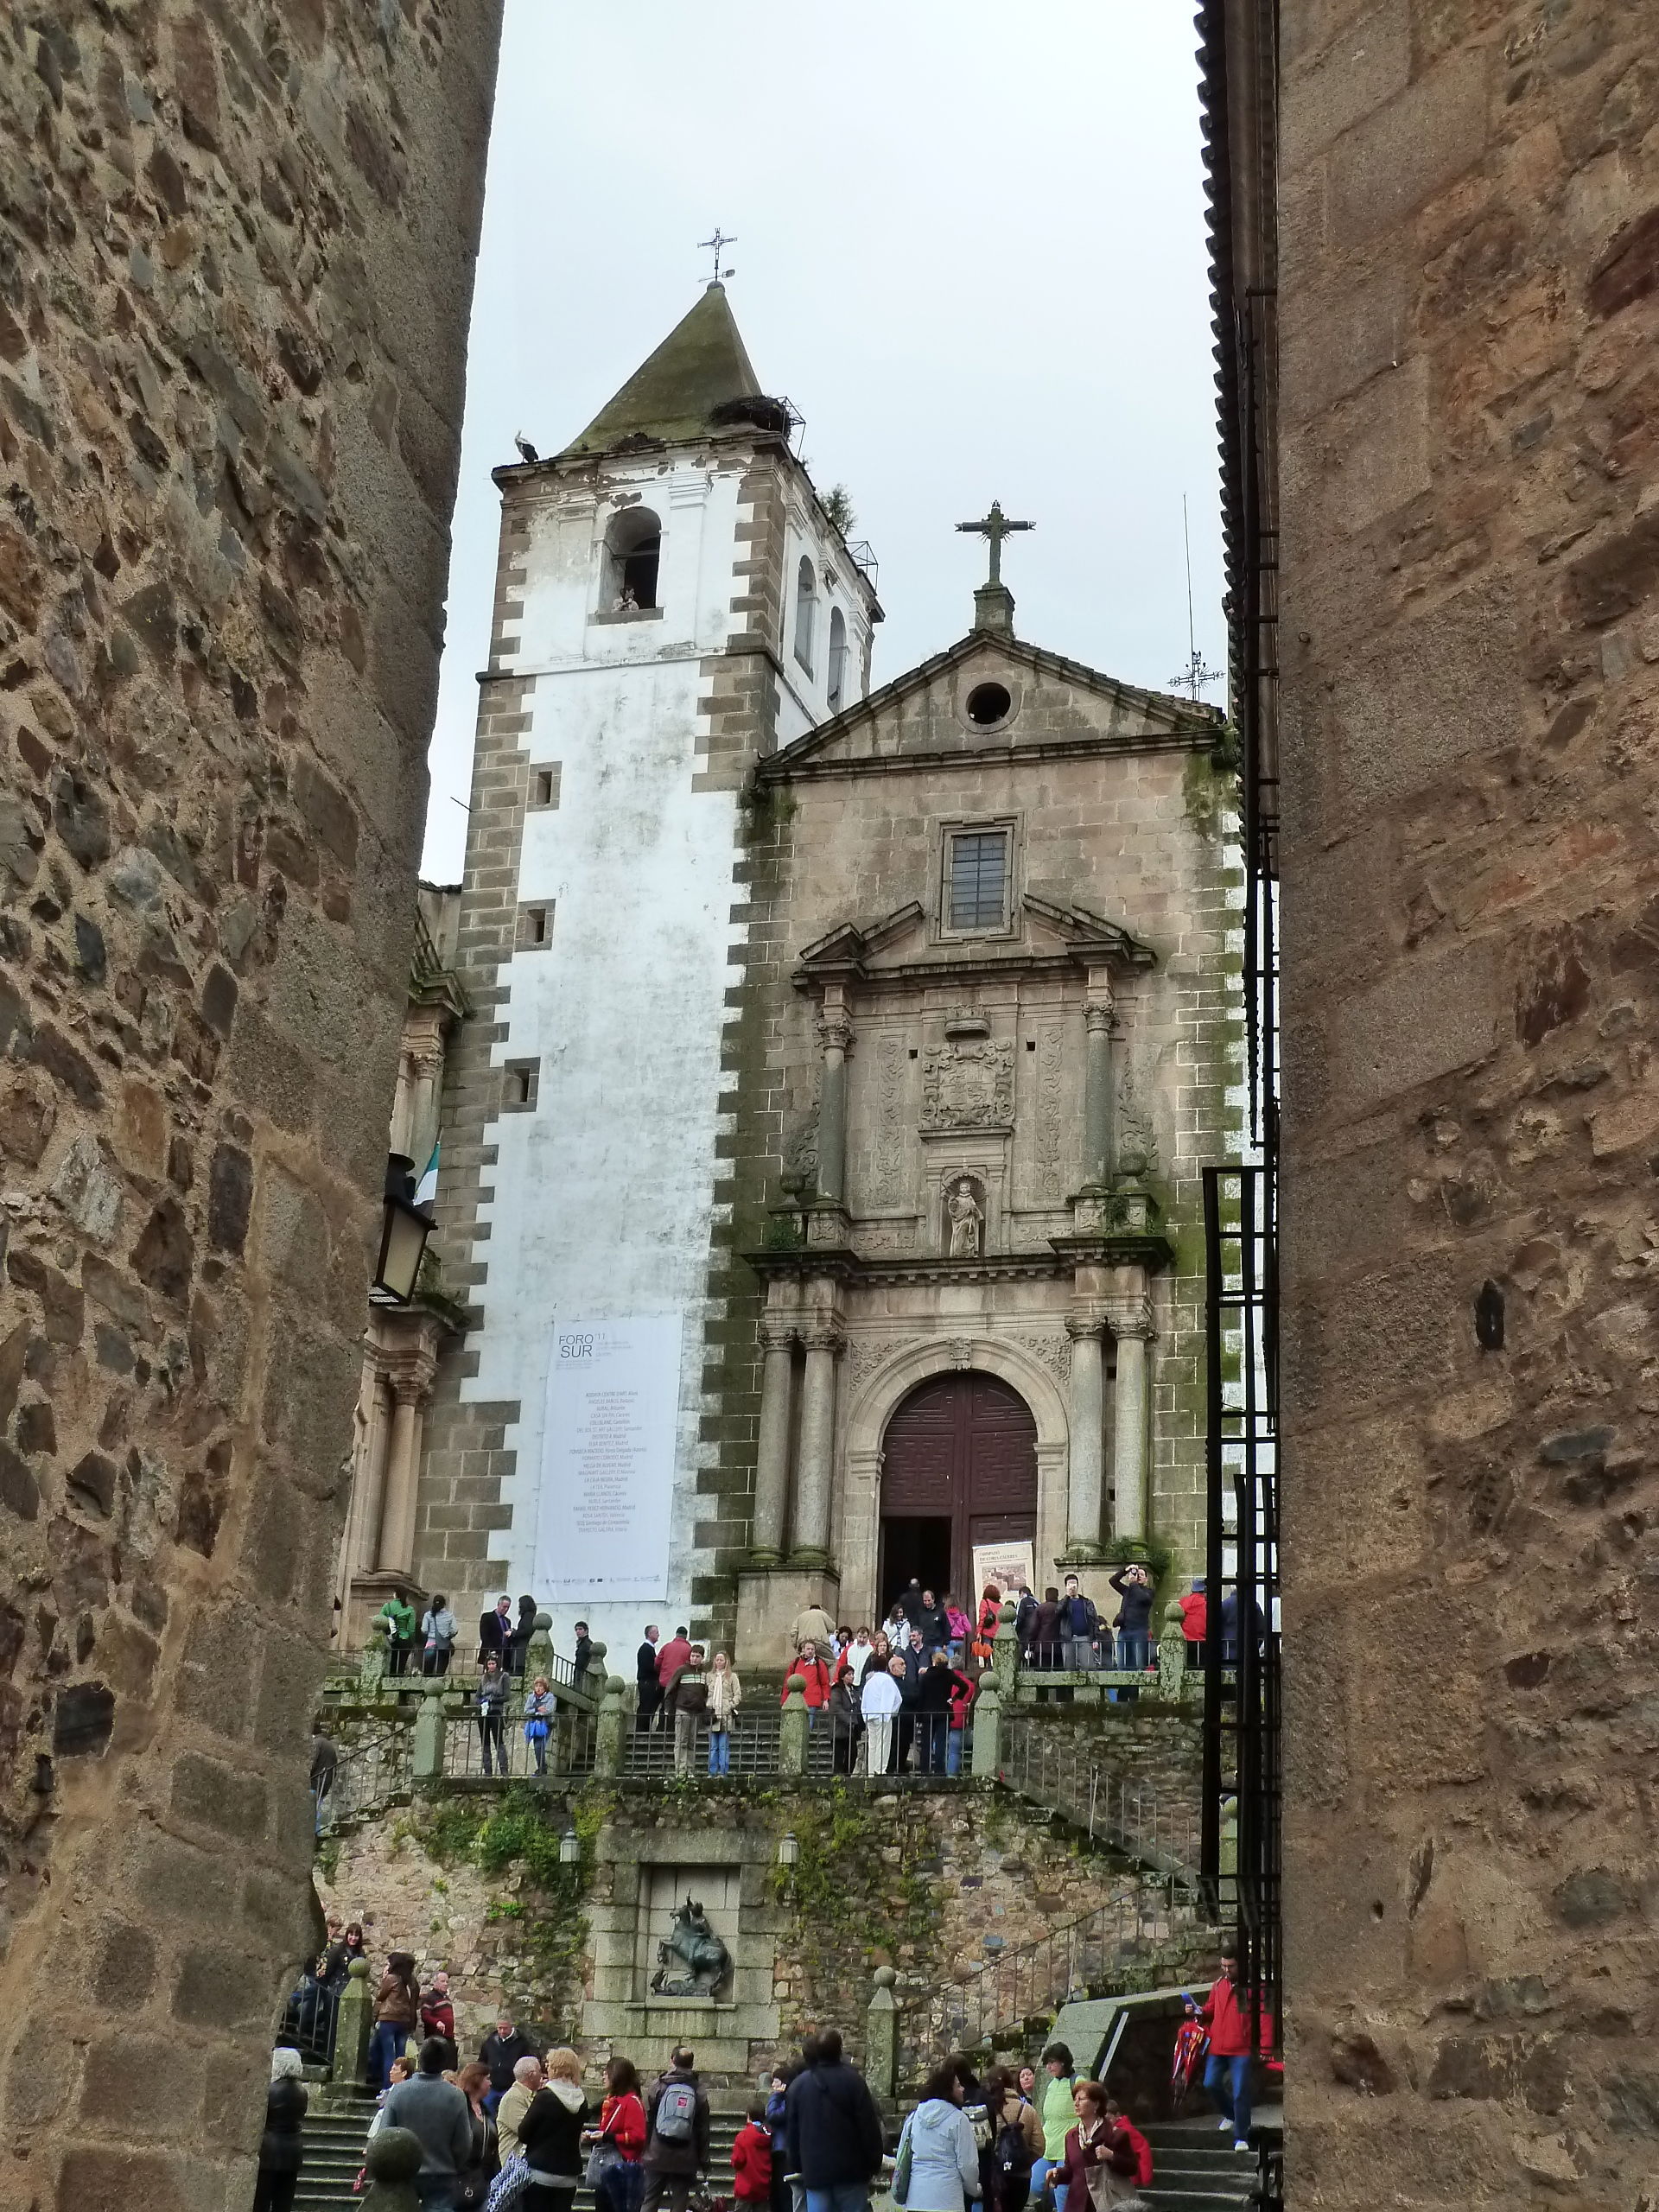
(604, 1193)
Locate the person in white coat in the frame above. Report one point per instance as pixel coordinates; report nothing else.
(879, 1701)
(942, 2156)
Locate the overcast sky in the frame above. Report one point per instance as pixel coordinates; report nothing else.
(970, 248)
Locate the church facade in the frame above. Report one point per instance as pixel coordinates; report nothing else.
(822, 1166)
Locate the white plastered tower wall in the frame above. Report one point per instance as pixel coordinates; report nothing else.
(596, 1119)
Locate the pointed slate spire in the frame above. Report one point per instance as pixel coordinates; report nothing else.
(700, 366)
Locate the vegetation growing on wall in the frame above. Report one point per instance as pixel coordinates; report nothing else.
(522, 1835)
(864, 1884)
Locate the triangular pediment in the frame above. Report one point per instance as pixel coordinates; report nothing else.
(1056, 704)
(901, 942)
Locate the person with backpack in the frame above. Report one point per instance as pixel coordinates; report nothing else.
(833, 2128)
(1057, 2115)
(676, 2140)
(1016, 2142)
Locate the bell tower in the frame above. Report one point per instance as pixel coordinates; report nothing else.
(673, 603)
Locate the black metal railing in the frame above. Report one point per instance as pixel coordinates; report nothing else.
(368, 1777)
(1007, 1999)
(1241, 1700)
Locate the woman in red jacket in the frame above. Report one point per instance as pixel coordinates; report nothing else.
(622, 2126)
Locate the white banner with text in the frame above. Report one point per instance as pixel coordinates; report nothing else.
(607, 1460)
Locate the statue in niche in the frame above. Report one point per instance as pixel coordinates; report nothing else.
(967, 1219)
(1137, 1141)
(692, 1962)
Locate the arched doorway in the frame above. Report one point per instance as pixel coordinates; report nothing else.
(958, 1468)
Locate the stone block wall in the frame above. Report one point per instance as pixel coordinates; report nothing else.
(235, 265)
(1469, 649)
(929, 1881)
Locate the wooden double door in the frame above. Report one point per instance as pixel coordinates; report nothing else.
(958, 1468)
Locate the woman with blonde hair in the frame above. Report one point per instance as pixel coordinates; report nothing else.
(725, 1695)
(549, 2136)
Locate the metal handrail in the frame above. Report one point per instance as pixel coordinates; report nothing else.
(1112, 1808)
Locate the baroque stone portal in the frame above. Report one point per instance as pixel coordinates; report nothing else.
(700, 1956)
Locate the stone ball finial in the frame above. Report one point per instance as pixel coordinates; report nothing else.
(797, 1685)
(1173, 1617)
(393, 2155)
(597, 1648)
(543, 1624)
(885, 1978)
(357, 1970)
(1006, 1612)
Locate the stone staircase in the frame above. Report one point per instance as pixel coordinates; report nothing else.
(334, 2135)
(1195, 2167)
(332, 2139)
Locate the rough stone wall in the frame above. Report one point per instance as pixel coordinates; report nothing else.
(931, 1882)
(1469, 220)
(235, 267)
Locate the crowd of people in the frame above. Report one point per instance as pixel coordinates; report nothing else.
(515, 2130)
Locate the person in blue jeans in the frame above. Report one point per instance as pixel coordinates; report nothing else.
(1135, 1589)
(396, 2008)
(725, 1695)
(1059, 2116)
(1226, 2014)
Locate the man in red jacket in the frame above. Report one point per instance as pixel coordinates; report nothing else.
(1226, 2014)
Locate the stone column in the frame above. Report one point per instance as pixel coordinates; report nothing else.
(1087, 1485)
(987, 1732)
(411, 1384)
(1129, 1438)
(772, 1453)
(369, 1491)
(815, 1483)
(836, 1036)
(792, 1724)
(427, 1068)
(881, 2037)
(1099, 1145)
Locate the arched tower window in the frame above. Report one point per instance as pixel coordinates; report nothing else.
(633, 545)
(806, 612)
(837, 660)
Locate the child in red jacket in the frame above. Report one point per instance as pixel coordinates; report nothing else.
(752, 2157)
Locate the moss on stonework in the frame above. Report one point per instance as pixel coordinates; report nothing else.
(864, 1881)
(522, 1834)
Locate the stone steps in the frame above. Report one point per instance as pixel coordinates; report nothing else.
(335, 2137)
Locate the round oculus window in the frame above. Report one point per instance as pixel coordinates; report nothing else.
(987, 703)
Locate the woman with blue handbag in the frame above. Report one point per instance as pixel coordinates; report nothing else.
(539, 1711)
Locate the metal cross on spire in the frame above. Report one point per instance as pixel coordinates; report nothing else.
(994, 526)
(717, 246)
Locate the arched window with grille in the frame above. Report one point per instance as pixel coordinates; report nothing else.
(837, 695)
(806, 613)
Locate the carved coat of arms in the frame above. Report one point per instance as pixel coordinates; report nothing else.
(969, 1084)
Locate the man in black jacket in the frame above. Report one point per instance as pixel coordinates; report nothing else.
(833, 2129)
(501, 2051)
(677, 2137)
(495, 1634)
(651, 1686)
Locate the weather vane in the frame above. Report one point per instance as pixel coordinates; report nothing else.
(717, 246)
(994, 526)
(1195, 674)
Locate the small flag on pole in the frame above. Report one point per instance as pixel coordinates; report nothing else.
(426, 1190)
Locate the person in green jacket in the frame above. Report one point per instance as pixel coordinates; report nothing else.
(399, 1617)
(1059, 2116)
